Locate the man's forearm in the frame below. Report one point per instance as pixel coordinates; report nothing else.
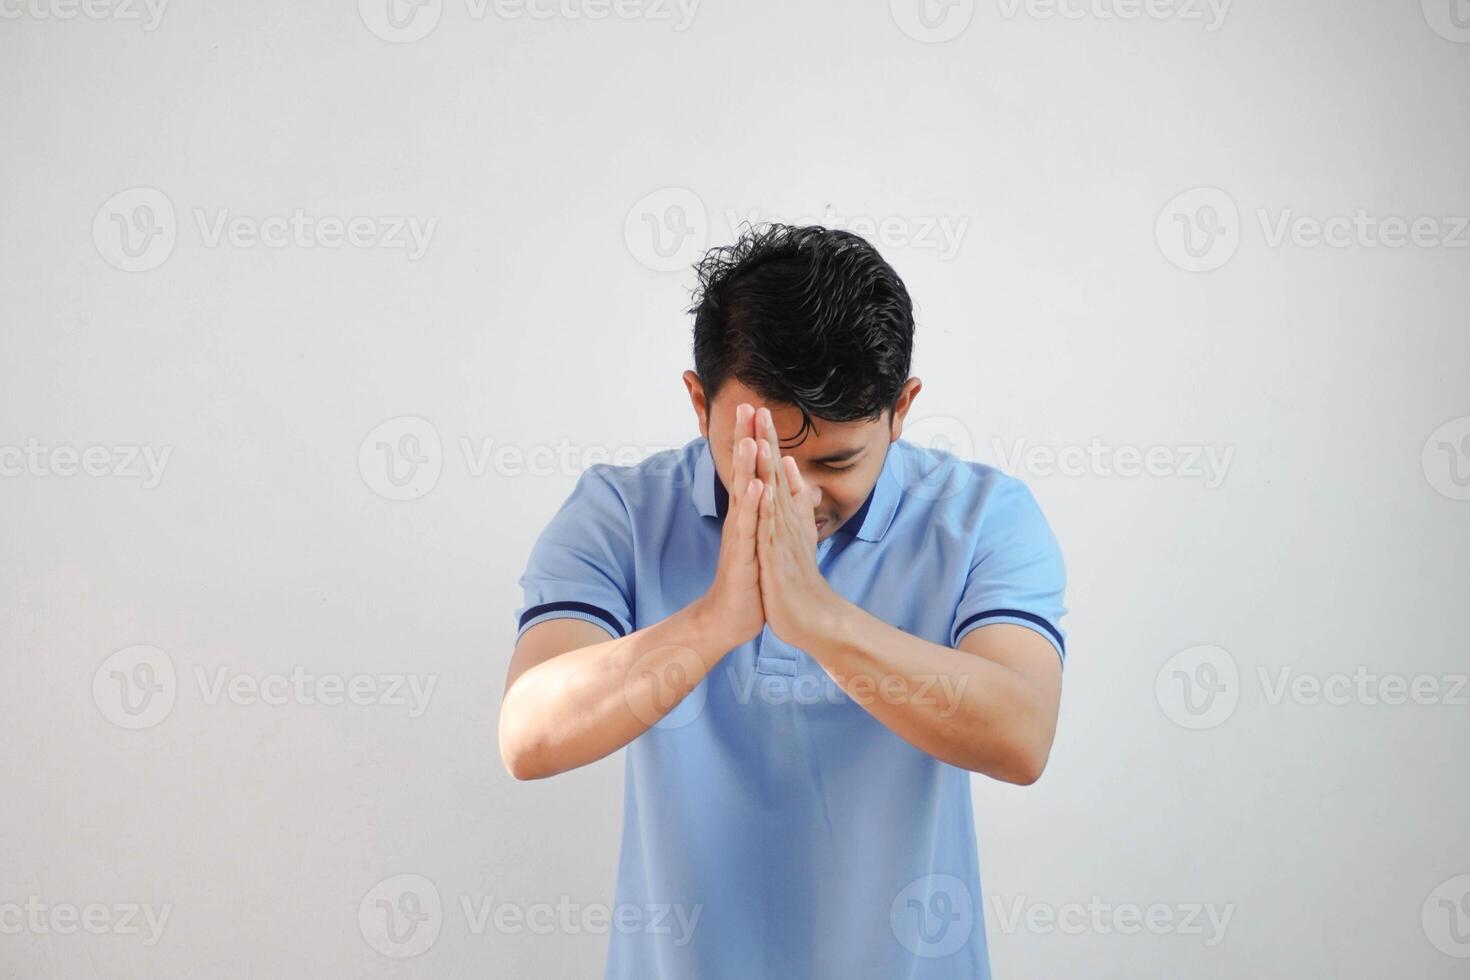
(962, 709)
(587, 703)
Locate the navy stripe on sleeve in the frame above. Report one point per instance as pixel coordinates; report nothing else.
(585, 607)
(1016, 614)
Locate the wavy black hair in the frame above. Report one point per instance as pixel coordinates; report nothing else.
(806, 316)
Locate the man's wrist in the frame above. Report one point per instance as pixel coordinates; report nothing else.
(709, 631)
(827, 626)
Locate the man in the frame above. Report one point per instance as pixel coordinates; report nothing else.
(807, 630)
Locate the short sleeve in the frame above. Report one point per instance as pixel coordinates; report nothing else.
(581, 566)
(1016, 574)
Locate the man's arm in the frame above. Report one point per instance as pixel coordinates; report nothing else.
(574, 696)
(990, 706)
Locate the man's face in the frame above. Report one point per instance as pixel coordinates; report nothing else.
(843, 459)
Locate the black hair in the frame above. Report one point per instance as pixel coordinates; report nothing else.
(806, 316)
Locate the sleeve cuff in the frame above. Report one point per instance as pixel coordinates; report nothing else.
(584, 611)
(1016, 617)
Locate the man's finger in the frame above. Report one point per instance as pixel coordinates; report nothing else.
(748, 519)
(768, 516)
(742, 468)
(763, 522)
(794, 479)
(769, 433)
(768, 464)
(735, 487)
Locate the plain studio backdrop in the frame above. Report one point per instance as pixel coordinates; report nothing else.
(313, 312)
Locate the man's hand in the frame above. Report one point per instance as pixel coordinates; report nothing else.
(796, 598)
(733, 602)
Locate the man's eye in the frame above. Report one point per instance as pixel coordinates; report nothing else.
(839, 469)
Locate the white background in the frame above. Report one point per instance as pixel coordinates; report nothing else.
(546, 151)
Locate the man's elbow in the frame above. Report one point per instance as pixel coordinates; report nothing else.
(525, 765)
(1027, 745)
(517, 753)
(516, 763)
(1024, 764)
(1028, 772)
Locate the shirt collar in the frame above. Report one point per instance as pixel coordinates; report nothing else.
(869, 522)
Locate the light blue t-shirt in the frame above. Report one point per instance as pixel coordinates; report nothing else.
(772, 827)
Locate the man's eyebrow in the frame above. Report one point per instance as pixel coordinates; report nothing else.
(839, 456)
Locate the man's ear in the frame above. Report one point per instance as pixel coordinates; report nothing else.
(697, 399)
(901, 407)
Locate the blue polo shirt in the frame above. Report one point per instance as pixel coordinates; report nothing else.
(772, 827)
